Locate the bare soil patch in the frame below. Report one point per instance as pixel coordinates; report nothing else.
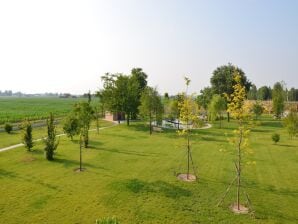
(242, 209)
(186, 178)
(78, 170)
(28, 159)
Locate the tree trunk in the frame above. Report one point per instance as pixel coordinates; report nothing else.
(97, 122)
(150, 123)
(220, 118)
(228, 113)
(127, 119)
(80, 152)
(188, 155)
(239, 171)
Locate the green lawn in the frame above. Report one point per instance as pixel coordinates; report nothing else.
(130, 175)
(15, 137)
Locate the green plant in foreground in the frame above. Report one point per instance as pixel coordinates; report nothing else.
(107, 220)
(275, 137)
(8, 128)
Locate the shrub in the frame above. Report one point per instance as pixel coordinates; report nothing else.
(50, 141)
(27, 135)
(275, 137)
(107, 220)
(8, 128)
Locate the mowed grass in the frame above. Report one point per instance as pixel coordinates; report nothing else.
(16, 109)
(130, 175)
(15, 137)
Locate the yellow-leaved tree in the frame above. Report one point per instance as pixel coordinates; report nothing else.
(239, 111)
(189, 117)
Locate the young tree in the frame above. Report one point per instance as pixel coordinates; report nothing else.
(189, 116)
(237, 110)
(291, 123)
(278, 98)
(84, 114)
(216, 108)
(27, 135)
(50, 141)
(71, 125)
(257, 109)
(151, 106)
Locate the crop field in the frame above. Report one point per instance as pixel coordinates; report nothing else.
(13, 109)
(131, 175)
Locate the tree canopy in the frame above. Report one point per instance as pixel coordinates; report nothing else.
(222, 80)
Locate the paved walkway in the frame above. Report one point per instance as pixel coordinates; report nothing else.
(37, 140)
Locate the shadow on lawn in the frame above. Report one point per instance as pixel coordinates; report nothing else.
(9, 174)
(158, 187)
(31, 179)
(70, 163)
(126, 152)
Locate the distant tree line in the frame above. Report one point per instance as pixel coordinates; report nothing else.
(46, 94)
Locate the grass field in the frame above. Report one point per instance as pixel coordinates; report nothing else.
(38, 132)
(15, 109)
(130, 175)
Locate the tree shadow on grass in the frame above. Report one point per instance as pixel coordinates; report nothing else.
(34, 180)
(273, 124)
(210, 138)
(157, 187)
(71, 163)
(286, 145)
(7, 174)
(126, 152)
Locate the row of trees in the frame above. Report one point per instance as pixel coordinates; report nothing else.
(266, 93)
(122, 93)
(212, 98)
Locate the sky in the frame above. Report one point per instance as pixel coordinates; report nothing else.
(66, 46)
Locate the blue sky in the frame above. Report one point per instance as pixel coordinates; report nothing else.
(65, 46)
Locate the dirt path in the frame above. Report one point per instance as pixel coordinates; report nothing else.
(37, 140)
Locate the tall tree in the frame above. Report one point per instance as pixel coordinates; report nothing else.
(264, 93)
(222, 80)
(151, 106)
(121, 94)
(51, 143)
(252, 93)
(205, 97)
(141, 78)
(278, 98)
(216, 108)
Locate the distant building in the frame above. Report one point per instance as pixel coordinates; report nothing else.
(115, 116)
